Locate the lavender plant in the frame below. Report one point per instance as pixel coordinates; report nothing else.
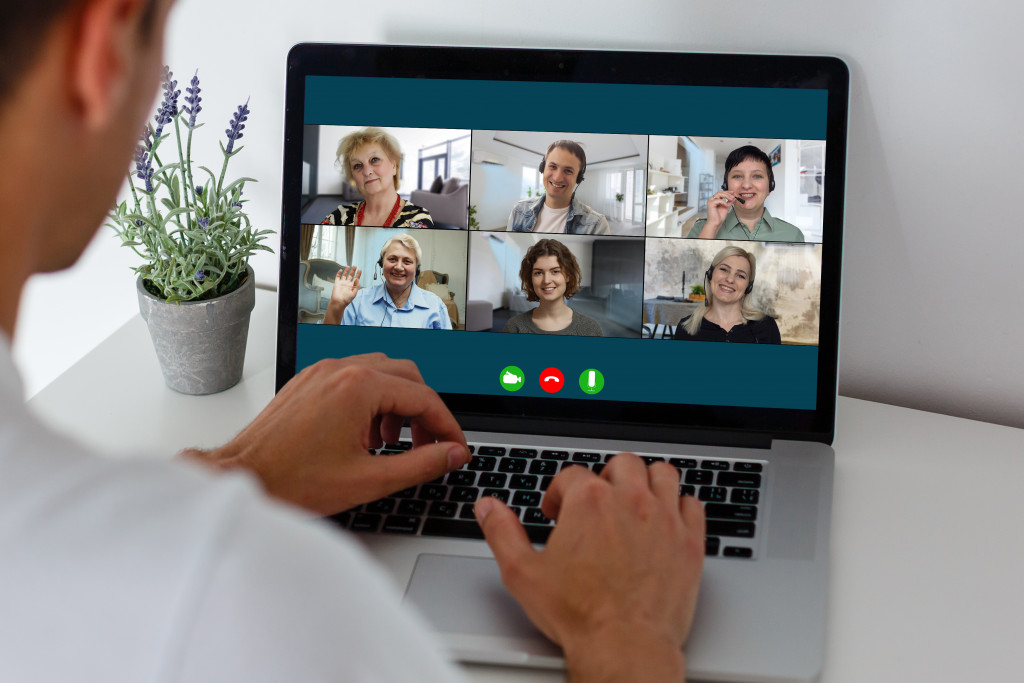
(193, 235)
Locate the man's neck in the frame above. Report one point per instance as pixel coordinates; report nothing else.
(552, 203)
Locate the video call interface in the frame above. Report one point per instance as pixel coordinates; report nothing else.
(564, 263)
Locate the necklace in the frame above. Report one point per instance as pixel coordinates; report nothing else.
(391, 216)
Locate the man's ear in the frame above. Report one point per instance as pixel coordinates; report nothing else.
(107, 37)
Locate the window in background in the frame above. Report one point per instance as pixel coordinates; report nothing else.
(532, 182)
(448, 159)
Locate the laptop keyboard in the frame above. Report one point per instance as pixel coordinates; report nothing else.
(519, 476)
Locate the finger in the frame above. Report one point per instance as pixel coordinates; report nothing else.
(664, 481)
(562, 484)
(625, 467)
(408, 398)
(359, 274)
(692, 511)
(416, 466)
(391, 428)
(507, 539)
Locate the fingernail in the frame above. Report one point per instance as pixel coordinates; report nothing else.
(457, 457)
(483, 508)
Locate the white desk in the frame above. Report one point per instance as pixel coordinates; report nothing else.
(927, 552)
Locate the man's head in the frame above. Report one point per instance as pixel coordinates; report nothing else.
(77, 80)
(562, 169)
(23, 29)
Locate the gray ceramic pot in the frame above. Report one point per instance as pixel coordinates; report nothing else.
(200, 344)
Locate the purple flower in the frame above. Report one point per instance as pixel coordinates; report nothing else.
(237, 205)
(234, 131)
(138, 222)
(143, 163)
(192, 100)
(199, 190)
(204, 223)
(168, 105)
(200, 274)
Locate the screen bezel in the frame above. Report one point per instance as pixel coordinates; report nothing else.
(660, 421)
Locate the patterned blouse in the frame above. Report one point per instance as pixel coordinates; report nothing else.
(409, 216)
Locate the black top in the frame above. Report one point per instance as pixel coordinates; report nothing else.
(763, 331)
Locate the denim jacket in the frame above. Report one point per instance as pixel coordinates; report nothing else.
(582, 220)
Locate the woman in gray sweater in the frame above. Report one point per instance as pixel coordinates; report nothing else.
(550, 274)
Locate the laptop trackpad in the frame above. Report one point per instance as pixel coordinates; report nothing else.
(464, 600)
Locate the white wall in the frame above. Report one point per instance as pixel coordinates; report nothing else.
(933, 109)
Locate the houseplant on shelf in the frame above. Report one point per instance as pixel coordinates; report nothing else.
(196, 289)
(697, 293)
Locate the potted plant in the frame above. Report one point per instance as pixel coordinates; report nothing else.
(697, 293)
(195, 287)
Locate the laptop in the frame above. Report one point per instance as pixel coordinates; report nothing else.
(748, 425)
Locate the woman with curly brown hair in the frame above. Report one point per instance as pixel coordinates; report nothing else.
(550, 274)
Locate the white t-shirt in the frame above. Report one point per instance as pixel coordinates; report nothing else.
(142, 570)
(551, 220)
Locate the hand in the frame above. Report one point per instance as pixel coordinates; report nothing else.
(346, 286)
(616, 584)
(310, 445)
(718, 208)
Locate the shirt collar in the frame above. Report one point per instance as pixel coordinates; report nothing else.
(732, 222)
(416, 297)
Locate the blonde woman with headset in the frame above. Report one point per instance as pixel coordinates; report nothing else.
(727, 314)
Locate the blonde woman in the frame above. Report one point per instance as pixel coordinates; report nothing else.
(370, 159)
(727, 314)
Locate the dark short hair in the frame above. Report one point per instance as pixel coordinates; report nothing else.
(566, 261)
(741, 154)
(572, 147)
(23, 30)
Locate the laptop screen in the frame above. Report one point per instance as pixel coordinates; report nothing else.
(588, 239)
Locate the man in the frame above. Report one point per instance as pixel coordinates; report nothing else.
(558, 210)
(142, 570)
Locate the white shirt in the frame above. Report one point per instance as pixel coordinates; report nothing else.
(142, 570)
(551, 220)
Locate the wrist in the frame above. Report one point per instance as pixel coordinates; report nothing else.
(627, 654)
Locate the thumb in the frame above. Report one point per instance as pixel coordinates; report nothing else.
(419, 465)
(505, 535)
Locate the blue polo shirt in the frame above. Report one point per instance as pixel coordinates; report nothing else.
(373, 307)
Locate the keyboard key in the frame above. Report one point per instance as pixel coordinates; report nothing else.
(462, 478)
(500, 494)
(383, 506)
(523, 453)
(712, 494)
(412, 507)
(512, 465)
(441, 508)
(714, 465)
(699, 477)
(651, 459)
(341, 519)
(390, 451)
(555, 455)
(567, 464)
(535, 516)
(543, 467)
(400, 524)
(526, 498)
(739, 479)
(464, 494)
(545, 482)
(365, 522)
(523, 481)
(745, 496)
(491, 450)
(405, 493)
(433, 492)
(538, 533)
(492, 481)
(597, 467)
(723, 511)
(584, 456)
(711, 545)
(467, 512)
(482, 463)
(400, 446)
(732, 551)
(747, 466)
(455, 528)
(687, 490)
(683, 463)
(717, 527)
